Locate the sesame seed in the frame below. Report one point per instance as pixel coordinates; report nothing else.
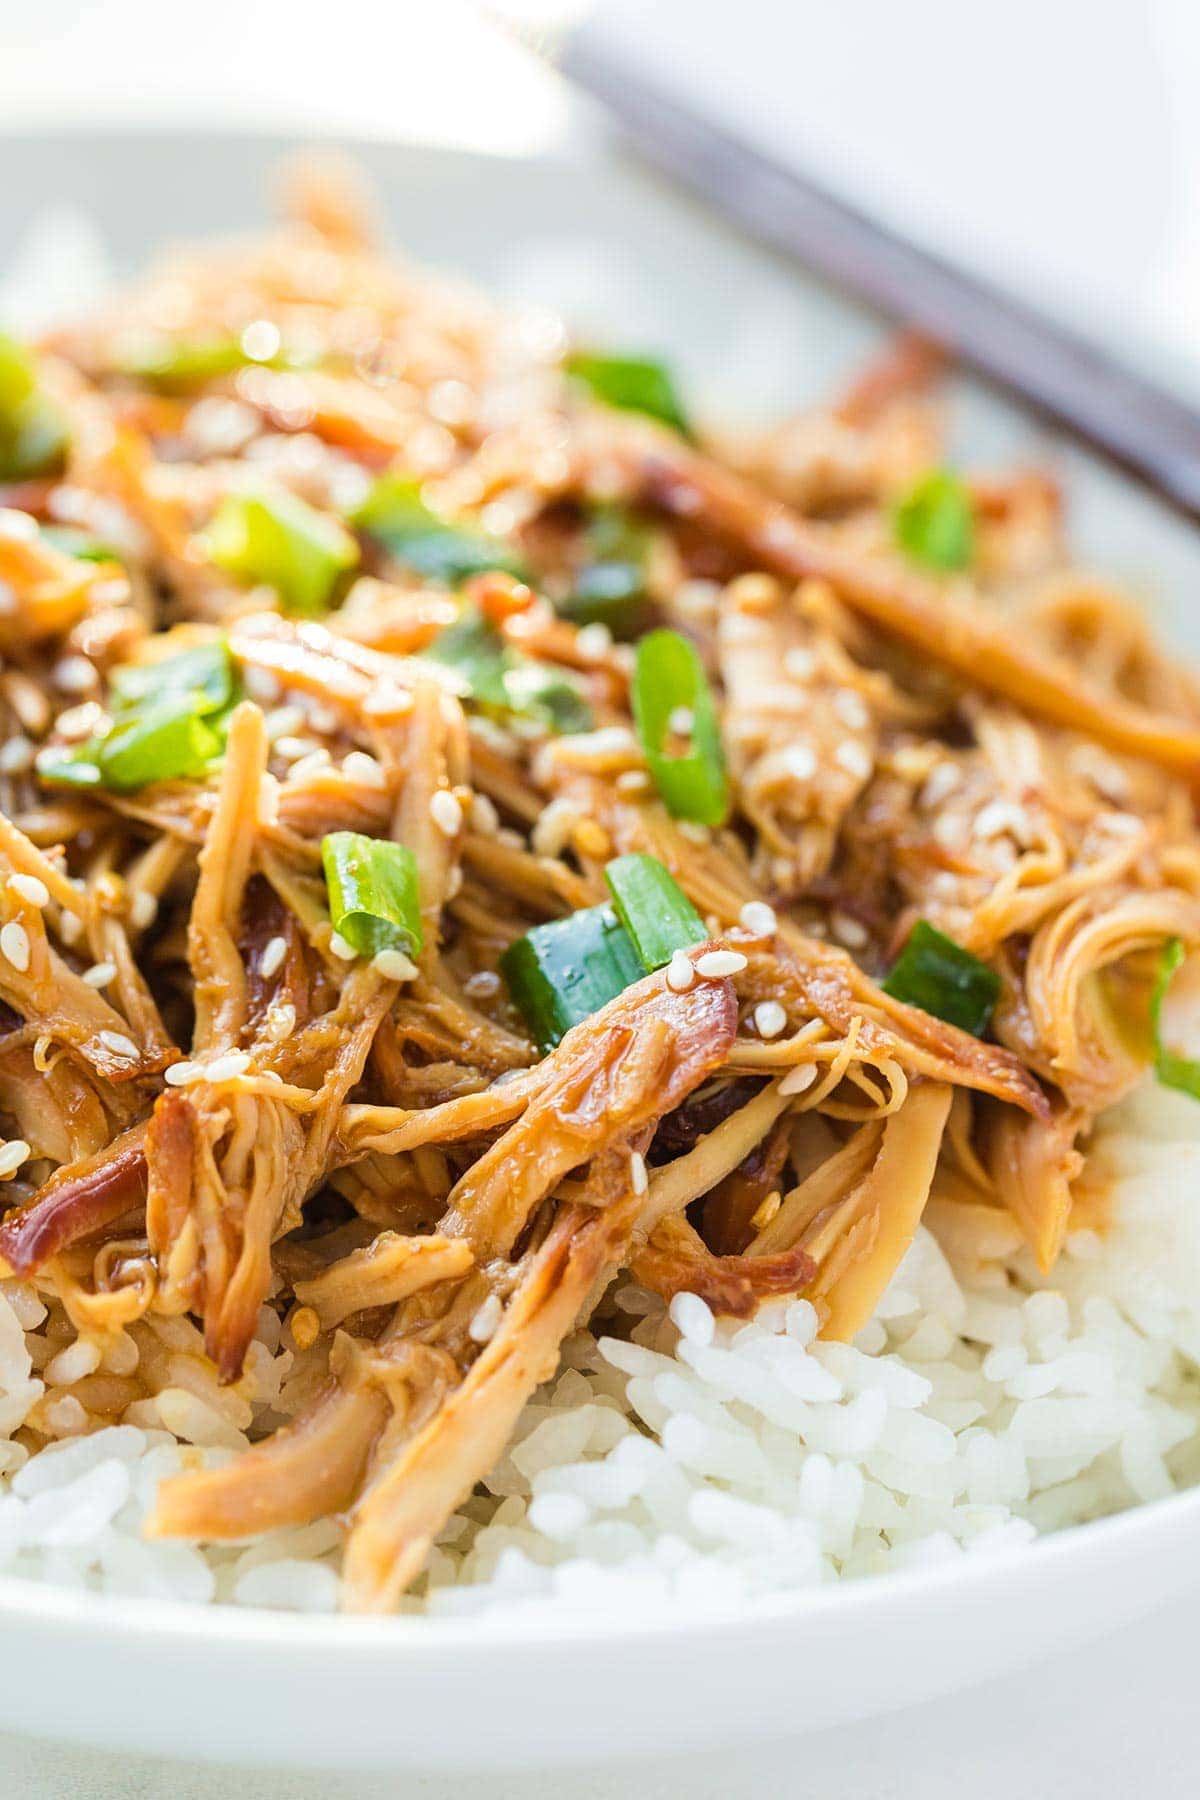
(639, 1181)
(594, 641)
(100, 974)
(769, 1018)
(119, 1045)
(281, 1021)
(759, 918)
(70, 929)
(851, 709)
(446, 812)
(361, 767)
(799, 1078)
(388, 703)
(483, 815)
(854, 758)
(86, 720)
(30, 888)
(680, 972)
(340, 948)
(766, 1209)
(73, 675)
(315, 763)
(306, 1327)
(483, 1326)
(393, 965)
(694, 832)
(293, 749)
(799, 664)
(261, 685)
(632, 781)
(801, 761)
(18, 526)
(283, 723)
(322, 718)
(225, 1068)
(681, 720)
(16, 756)
(12, 1155)
(940, 783)
(143, 909)
(609, 740)
(271, 960)
(14, 944)
(997, 818)
(715, 963)
(848, 931)
(553, 827)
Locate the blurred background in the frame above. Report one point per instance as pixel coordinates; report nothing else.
(1054, 144)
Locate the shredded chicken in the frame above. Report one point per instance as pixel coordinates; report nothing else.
(219, 1100)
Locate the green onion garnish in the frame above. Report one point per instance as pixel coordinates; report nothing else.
(441, 550)
(169, 720)
(279, 539)
(1171, 1069)
(167, 741)
(206, 671)
(934, 523)
(374, 897)
(669, 678)
(561, 973)
(654, 910)
(610, 588)
(632, 384)
(498, 680)
(33, 437)
(192, 358)
(939, 976)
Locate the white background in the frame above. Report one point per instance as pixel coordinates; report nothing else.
(1056, 143)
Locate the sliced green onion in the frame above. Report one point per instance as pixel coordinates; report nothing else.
(192, 358)
(204, 673)
(498, 680)
(33, 435)
(610, 589)
(669, 675)
(442, 550)
(654, 910)
(166, 741)
(1171, 1069)
(374, 894)
(632, 384)
(279, 539)
(939, 976)
(934, 523)
(79, 544)
(169, 723)
(561, 973)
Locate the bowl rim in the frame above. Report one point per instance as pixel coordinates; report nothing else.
(967, 1577)
(139, 1620)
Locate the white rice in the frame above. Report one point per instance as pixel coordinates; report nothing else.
(690, 1462)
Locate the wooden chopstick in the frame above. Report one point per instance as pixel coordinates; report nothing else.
(1126, 416)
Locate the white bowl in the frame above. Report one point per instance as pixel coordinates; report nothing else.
(226, 1684)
